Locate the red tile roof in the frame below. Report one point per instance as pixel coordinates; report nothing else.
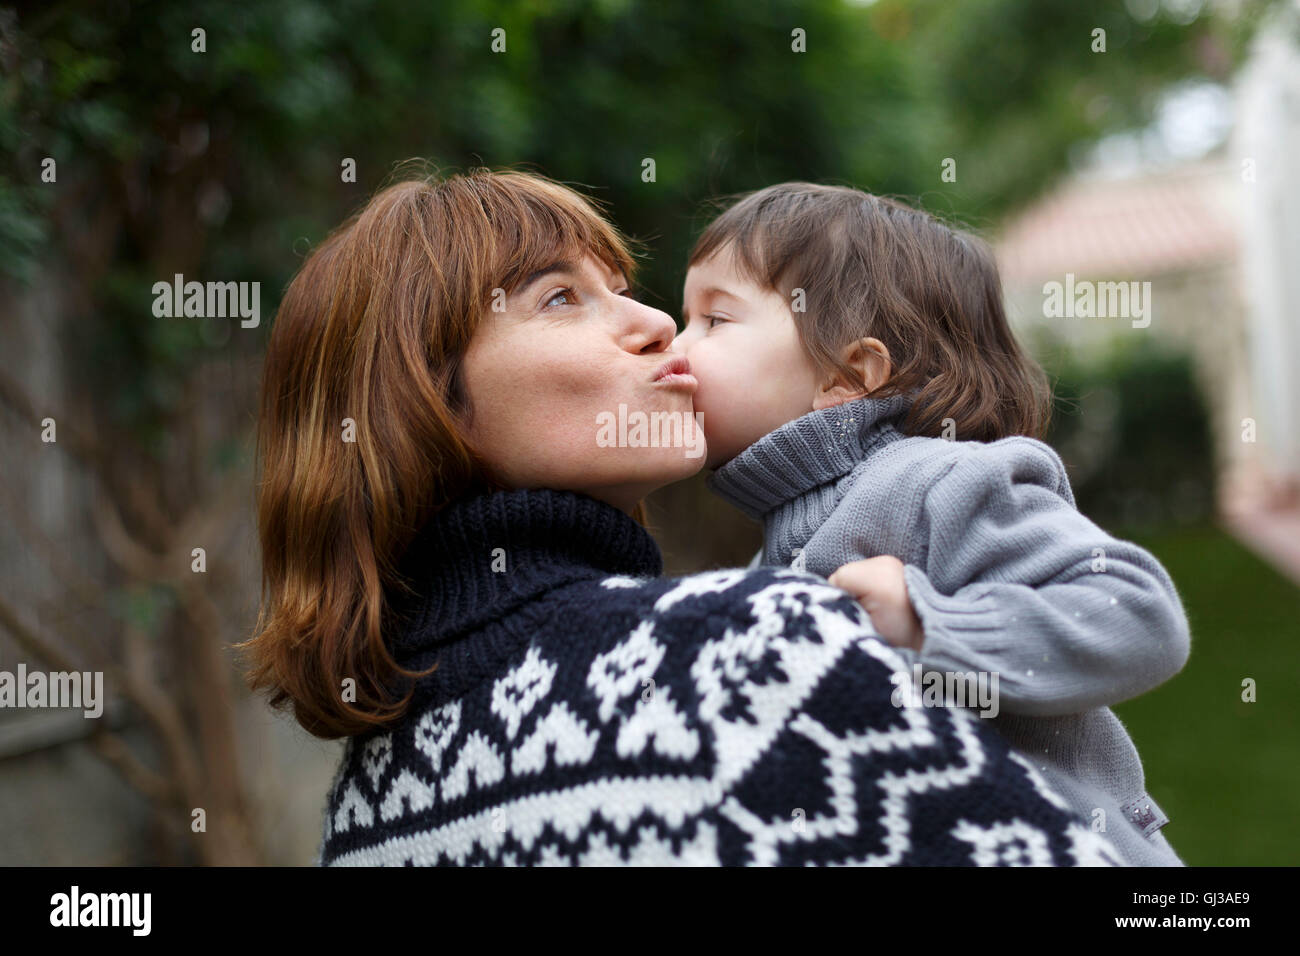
(1123, 228)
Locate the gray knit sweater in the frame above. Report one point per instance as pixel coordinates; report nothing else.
(1006, 575)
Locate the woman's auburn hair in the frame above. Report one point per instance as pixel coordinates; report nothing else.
(871, 266)
(367, 345)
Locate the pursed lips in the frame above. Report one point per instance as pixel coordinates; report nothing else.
(676, 373)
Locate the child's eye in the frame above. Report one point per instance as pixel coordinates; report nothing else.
(714, 318)
(562, 294)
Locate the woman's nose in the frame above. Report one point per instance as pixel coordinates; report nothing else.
(652, 330)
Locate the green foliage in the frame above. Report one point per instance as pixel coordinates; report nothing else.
(226, 164)
(144, 607)
(1224, 769)
(1134, 433)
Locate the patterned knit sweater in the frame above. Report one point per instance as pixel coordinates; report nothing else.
(586, 711)
(1007, 577)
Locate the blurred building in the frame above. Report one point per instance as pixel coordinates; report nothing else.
(1218, 241)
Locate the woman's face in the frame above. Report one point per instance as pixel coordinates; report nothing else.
(571, 387)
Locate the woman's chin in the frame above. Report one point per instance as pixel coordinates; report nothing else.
(639, 473)
(657, 467)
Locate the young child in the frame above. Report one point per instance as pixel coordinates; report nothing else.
(864, 397)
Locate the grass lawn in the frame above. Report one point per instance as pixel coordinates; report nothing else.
(1226, 772)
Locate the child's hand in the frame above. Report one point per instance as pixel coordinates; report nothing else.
(879, 586)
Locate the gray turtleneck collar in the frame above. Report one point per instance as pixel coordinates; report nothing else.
(807, 455)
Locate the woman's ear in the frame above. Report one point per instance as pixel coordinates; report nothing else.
(870, 360)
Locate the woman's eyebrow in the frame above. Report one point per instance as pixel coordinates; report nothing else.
(567, 267)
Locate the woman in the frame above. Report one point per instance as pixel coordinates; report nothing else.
(457, 582)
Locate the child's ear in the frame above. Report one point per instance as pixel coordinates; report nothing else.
(870, 359)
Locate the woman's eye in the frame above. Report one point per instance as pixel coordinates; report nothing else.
(562, 294)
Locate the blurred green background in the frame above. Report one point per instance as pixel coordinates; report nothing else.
(227, 163)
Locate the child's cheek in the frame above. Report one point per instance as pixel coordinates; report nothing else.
(725, 381)
(721, 395)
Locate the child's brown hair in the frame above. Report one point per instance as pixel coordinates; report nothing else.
(872, 266)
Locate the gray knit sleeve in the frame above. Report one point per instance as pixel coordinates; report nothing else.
(1018, 582)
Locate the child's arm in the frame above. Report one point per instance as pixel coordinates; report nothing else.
(1017, 581)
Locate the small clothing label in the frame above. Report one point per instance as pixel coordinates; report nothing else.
(1145, 814)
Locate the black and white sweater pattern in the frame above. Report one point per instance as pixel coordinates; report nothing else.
(587, 712)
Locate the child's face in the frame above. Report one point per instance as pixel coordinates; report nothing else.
(745, 352)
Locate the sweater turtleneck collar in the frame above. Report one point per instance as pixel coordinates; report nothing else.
(483, 556)
(811, 452)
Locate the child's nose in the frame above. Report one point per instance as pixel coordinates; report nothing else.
(681, 342)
